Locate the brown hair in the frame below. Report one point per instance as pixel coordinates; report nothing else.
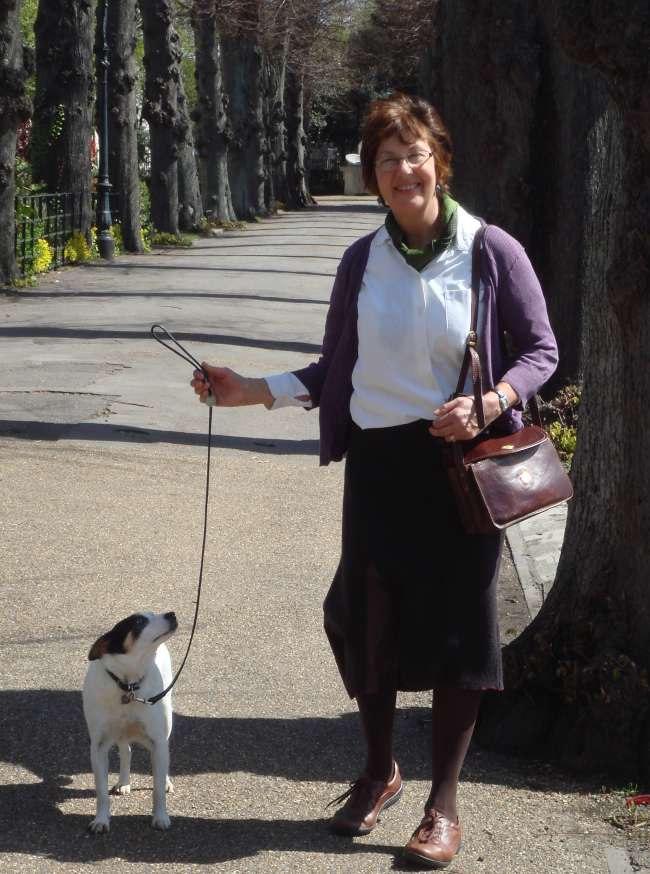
(409, 118)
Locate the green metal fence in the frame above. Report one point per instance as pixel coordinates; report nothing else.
(51, 217)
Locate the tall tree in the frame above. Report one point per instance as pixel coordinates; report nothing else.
(297, 185)
(578, 676)
(189, 190)
(162, 74)
(63, 103)
(511, 98)
(14, 108)
(304, 22)
(389, 43)
(213, 127)
(242, 74)
(123, 119)
(275, 67)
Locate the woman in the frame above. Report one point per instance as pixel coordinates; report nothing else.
(413, 602)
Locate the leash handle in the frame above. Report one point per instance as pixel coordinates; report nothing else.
(181, 351)
(186, 356)
(161, 335)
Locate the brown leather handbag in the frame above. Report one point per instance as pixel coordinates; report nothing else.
(500, 480)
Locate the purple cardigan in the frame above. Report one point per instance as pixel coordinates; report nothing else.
(514, 301)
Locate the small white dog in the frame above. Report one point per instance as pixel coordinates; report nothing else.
(129, 663)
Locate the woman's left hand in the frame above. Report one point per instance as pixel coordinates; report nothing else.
(456, 419)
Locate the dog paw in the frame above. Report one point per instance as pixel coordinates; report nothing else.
(121, 790)
(161, 821)
(99, 826)
(169, 786)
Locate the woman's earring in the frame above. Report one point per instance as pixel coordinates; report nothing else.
(438, 188)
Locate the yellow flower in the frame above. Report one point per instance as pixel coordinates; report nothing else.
(77, 249)
(43, 256)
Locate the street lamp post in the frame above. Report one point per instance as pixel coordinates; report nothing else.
(105, 241)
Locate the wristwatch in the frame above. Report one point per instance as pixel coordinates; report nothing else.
(503, 400)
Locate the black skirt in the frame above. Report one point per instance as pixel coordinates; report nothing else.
(413, 603)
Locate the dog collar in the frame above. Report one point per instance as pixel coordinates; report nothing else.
(129, 689)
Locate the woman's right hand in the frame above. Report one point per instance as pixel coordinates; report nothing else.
(230, 389)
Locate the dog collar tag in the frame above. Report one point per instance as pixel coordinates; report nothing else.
(127, 698)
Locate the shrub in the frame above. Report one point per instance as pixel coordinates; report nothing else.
(43, 256)
(560, 417)
(116, 231)
(162, 238)
(77, 249)
(207, 224)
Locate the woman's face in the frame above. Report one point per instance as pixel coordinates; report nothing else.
(409, 191)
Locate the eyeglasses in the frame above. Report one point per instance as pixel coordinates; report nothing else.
(413, 159)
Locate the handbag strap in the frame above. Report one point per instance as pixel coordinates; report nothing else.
(472, 357)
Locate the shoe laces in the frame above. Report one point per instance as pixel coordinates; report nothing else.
(361, 783)
(432, 826)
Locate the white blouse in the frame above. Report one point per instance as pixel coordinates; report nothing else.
(412, 328)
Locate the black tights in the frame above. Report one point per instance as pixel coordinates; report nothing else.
(453, 713)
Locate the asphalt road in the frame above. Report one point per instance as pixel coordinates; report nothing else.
(102, 477)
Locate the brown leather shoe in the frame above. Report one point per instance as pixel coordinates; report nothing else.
(435, 841)
(366, 799)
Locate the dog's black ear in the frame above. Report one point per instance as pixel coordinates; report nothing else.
(99, 648)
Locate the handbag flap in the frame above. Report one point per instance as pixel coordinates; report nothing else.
(519, 484)
(526, 438)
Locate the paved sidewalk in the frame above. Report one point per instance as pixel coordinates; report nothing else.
(102, 466)
(535, 545)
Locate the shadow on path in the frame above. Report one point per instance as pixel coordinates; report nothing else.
(328, 750)
(100, 431)
(165, 266)
(112, 334)
(178, 295)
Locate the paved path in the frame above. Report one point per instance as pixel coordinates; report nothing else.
(102, 463)
(535, 545)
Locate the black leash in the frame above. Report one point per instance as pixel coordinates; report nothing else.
(184, 354)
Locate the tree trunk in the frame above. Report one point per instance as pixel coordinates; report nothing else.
(520, 115)
(276, 125)
(123, 120)
(242, 74)
(189, 190)
(213, 128)
(267, 105)
(488, 84)
(162, 73)
(297, 189)
(63, 104)
(578, 676)
(14, 109)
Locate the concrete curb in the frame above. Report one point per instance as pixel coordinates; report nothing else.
(536, 545)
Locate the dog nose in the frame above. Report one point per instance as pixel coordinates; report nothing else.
(171, 618)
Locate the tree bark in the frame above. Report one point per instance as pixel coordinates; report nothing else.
(213, 128)
(189, 190)
(578, 676)
(14, 109)
(123, 119)
(162, 74)
(520, 115)
(276, 124)
(63, 102)
(242, 74)
(297, 188)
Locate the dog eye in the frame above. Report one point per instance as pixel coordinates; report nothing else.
(139, 622)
